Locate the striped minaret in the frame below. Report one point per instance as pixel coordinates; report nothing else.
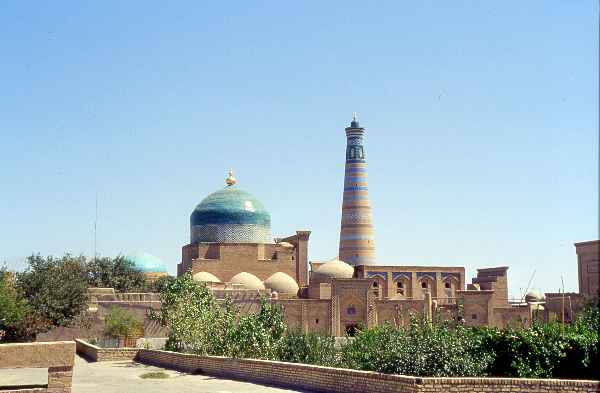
(357, 246)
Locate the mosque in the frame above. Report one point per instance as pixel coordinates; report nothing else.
(232, 251)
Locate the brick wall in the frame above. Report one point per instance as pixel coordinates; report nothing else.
(327, 379)
(98, 354)
(57, 357)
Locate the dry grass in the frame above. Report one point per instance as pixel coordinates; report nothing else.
(155, 375)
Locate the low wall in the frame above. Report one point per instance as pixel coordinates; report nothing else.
(58, 357)
(98, 354)
(328, 379)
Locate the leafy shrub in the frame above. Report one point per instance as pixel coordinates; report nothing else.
(256, 335)
(196, 321)
(310, 348)
(545, 350)
(200, 324)
(420, 349)
(119, 322)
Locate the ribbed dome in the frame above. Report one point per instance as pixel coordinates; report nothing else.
(205, 277)
(281, 283)
(335, 269)
(230, 215)
(146, 263)
(249, 281)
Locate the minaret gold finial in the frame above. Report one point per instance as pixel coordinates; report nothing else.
(230, 179)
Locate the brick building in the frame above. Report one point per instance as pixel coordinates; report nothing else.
(231, 251)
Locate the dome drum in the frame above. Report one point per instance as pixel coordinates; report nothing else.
(230, 233)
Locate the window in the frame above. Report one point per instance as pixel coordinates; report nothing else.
(400, 288)
(351, 330)
(447, 285)
(351, 310)
(473, 316)
(424, 284)
(375, 284)
(317, 321)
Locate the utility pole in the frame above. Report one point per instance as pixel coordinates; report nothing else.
(95, 228)
(563, 305)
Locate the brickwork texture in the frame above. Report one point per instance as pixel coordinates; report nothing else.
(327, 379)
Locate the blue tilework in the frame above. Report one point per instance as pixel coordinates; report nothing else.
(356, 188)
(455, 275)
(356, 170)
(230, 233)
(426, 274)
(356, 197)
(146, 263)
(357, 237)
(230, 215)
(397, 275)
(383, 275)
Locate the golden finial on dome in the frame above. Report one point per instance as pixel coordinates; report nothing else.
(230, 179)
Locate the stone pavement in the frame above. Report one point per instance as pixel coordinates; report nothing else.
(124, 377)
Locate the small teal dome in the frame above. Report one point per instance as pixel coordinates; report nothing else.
(146, 263)
(230, 215)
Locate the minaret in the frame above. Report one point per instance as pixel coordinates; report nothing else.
(357, 246)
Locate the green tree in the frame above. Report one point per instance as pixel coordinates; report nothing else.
(257, 335)
(55, 288)
(117, 273)
(201, 324)
(13, 309)
(159, 285)
(17, 320)
(119, 322)
(196, 321)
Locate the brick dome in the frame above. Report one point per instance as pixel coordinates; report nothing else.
(249, 281)
(281, 283)
(335, 269)
(206, 277)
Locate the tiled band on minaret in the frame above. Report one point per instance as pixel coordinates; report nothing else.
(357, 245)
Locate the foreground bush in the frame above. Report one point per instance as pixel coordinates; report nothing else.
(119, 322)
(200, 324)
(546, 350)
(310, 348)
(421, 349)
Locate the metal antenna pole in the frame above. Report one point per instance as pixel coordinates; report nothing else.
(95, 229)
(563, 299)
(528, 285)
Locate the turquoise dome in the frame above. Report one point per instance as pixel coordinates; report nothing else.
(230, 215)
(146, 263)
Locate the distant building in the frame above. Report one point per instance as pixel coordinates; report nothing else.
(588, 267)
(232, 252)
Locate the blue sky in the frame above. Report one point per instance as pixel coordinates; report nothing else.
(481, 118)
